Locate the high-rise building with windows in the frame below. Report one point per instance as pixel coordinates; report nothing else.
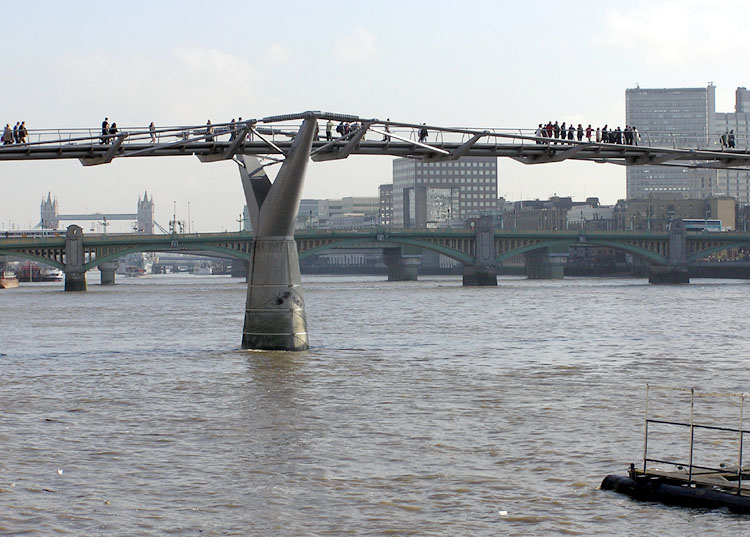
(427, 194)
(385, 215)
(686, 118)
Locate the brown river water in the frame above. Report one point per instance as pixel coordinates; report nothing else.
(423, 408)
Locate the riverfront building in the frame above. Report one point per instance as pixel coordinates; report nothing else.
(687, 118)
(346, 213)
(386, 205)
(437, 194)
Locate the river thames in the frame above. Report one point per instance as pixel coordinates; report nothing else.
(422, 408)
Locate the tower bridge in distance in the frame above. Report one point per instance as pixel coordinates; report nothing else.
(274, 312)
(143, 218)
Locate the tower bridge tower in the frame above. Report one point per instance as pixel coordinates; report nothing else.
(146, 214)
(49, 213)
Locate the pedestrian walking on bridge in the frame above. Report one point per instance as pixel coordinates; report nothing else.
(105, 130)
(7, 135)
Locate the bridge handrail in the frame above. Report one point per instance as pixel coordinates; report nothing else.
(87, 136)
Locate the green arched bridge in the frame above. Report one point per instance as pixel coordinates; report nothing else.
(458, 244)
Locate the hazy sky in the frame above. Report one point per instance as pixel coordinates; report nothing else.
(469, 63)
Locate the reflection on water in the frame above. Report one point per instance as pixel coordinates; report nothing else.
(422, 408)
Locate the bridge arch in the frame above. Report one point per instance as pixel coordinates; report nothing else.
(150, 248)
(615, 245)
(37, 258)
(708, 251)
(391, 240)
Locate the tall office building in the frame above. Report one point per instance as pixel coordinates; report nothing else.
(437, 193)
(686, 118)
(385, 215)
(735, 183)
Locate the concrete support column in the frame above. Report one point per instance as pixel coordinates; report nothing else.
(484, 271)
(676, 270)
(401, 267)
(108, 272)
(480, 275)
(239, 268)
(543, 265)
(275, 308)
(75, 275)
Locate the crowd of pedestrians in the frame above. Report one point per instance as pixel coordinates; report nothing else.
(343, 128)
(560, 132)
(16, 135)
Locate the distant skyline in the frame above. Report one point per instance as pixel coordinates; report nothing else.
(485, 64)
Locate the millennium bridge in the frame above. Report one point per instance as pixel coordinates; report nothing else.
(275, 311)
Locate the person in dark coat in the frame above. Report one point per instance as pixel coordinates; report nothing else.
(571, 132)
(628, 135)
(105, 130)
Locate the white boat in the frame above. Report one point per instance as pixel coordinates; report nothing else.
(50, 274)
(8, 280)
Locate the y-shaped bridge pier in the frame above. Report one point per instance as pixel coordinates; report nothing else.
(275, 311)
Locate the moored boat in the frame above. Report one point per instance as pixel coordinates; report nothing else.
(50, 275)
(8, 280)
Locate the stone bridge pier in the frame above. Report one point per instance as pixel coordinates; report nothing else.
(676, 270)
(108, 270)
(401, 266)
(75, 274)
(484, 272)
(542, 264)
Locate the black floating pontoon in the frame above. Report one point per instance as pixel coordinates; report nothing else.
(687, 483)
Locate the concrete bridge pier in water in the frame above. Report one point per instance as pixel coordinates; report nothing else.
(75, 274)
(543, 264)
(402, 266)
(275, 307)
(483, 272)
(676, 270)
(108, 270)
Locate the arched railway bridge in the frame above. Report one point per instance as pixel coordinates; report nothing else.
(100, 250)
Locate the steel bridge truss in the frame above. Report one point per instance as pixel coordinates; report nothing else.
(459, 245)
(271, 138)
